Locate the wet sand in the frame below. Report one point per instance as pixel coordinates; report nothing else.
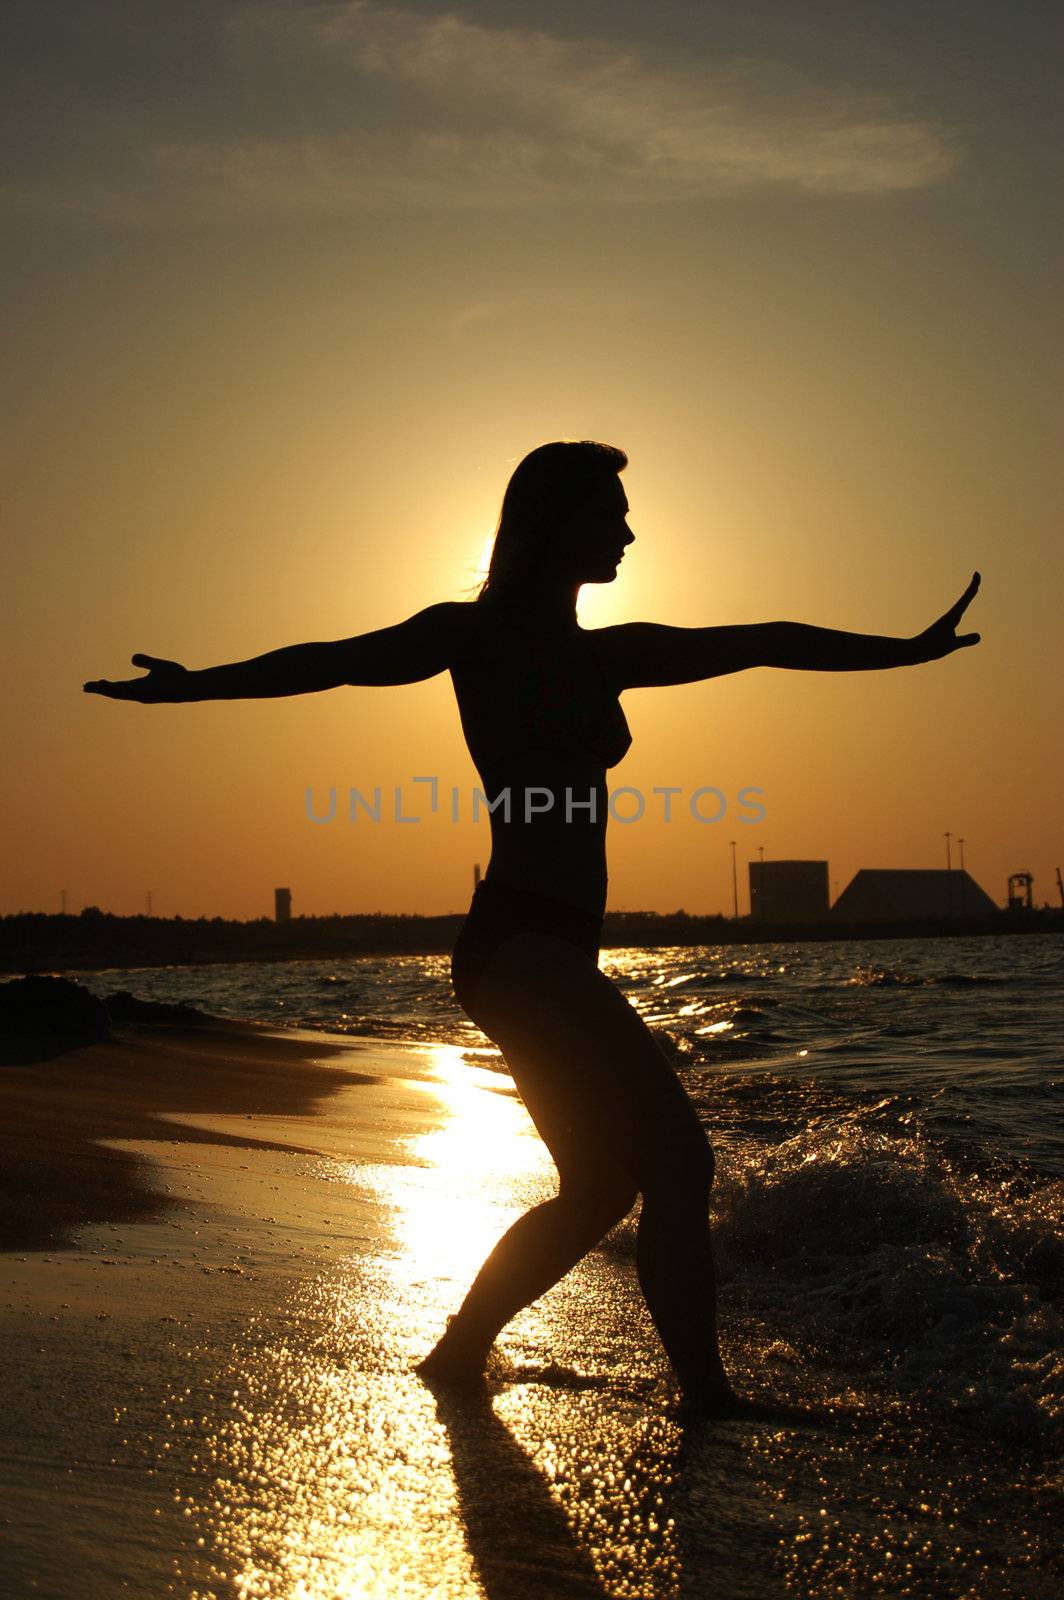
(224, 1251)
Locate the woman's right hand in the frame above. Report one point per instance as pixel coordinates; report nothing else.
(166, 681)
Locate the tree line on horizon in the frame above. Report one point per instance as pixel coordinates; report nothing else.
(32, 941)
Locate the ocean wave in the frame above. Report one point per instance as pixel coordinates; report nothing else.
(885, 977)
(942, 1269)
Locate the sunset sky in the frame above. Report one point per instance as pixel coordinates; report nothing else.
(290, 288)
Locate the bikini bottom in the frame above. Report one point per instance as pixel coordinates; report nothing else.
(498, 913)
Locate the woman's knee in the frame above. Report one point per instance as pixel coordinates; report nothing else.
(682, 1168)
(601, 1197)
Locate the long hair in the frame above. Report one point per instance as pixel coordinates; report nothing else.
(544, 493)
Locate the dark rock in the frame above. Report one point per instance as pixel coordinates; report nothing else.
(55, 1007)
(122, 1006)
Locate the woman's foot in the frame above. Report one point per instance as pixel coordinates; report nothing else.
(711, 1400)
(720, 1403)
(454, 1361)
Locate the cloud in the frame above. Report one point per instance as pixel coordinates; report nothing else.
(486, 311)
(378, 106)
(560, 111)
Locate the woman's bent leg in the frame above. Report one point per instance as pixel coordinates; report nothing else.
(616, 1120)
(530, 1258)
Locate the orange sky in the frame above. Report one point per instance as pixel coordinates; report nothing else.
(268, 372)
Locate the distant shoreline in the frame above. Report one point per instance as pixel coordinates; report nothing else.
(38, 942)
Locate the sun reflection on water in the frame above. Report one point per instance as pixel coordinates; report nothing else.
(324, 1469)
(476, 1167)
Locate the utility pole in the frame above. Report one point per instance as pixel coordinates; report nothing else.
(734, 883)
(949, 879)
(964, 884)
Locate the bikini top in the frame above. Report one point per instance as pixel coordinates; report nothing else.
(569, 707)
(534, 700)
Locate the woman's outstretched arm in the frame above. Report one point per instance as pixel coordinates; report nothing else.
(643, 654)
(407, 653)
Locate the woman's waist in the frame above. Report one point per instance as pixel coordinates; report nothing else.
(547, 783)
(566, 864)
(502, 906)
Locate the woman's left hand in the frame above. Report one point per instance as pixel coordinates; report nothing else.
(942, 638)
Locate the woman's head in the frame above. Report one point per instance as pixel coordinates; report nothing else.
(562, 514)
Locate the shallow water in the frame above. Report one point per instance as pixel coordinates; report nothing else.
(888, 1234)
(971, 1027)
(886, 1217)
(323, 1468)
(886, 1119)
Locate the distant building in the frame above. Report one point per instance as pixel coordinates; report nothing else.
(1021, 891)
(282, 905)
(908, 893)
(788, 891)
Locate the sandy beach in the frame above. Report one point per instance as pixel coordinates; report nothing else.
(225, 1248)
(230, 1248)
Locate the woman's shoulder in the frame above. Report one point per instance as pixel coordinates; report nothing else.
(480, 631)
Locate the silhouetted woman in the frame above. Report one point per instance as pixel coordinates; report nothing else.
(538, 697)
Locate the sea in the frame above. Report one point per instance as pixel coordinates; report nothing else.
(890, 1109)
(886, 1116)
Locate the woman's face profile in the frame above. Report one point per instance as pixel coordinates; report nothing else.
(599, 534)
